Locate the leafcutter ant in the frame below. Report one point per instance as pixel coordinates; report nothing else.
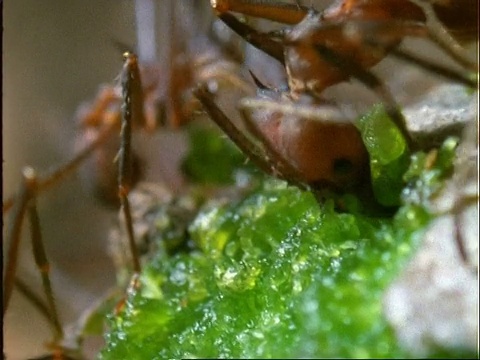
(319, 50)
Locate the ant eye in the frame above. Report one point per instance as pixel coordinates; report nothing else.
(342, 166)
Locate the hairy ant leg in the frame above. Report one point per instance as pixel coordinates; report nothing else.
(379, 37)
(62, 172)
(253, 152)
(27, 206)
(274, 11)
(24, 204)
(131, 109)
(257, 39)
(440, 35)
(28, 194)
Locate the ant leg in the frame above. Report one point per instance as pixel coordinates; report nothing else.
(279, 12)
(41, 257)
(371, 81)
(131, 91)
(456, 210)
(436, 69)
(27, 203)
(251, 150)
(65, 170)
(33, 297)
(462, 252)
(203, 94)
(257, 39)
(387, 34)
(26, 194)
(442, 38)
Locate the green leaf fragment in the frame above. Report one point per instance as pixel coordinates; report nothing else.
(389, 156)
(277, 276)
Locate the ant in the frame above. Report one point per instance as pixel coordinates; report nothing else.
(320, 50)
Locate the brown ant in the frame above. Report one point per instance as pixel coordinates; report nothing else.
(319, 50)
(304, 140)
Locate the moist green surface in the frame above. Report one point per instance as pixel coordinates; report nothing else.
(276, 274)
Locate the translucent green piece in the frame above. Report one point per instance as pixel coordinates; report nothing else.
(381, 137)
(389, 156)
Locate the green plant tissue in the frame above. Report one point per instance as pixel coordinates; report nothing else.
(277, 275)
